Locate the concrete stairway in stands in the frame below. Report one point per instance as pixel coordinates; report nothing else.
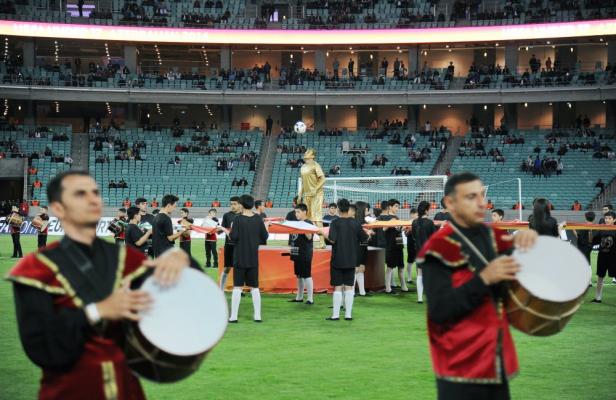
(446, 160)
(265, 167)
(79, 150)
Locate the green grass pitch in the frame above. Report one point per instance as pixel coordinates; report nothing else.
(383, 353)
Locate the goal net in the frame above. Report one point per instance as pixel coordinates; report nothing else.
(408, 190)
(505, 195)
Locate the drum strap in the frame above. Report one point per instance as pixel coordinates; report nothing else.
(470, 244)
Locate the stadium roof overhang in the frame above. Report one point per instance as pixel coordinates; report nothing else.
(188, 96)
(138, 34)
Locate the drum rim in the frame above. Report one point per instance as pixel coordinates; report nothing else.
(218, 337)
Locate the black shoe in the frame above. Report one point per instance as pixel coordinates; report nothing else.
(596, 301)
(409, 282)
(332, 319)
(348, 319)
(296, 301)
(208, 266)
(391, 292)
(243, 295)
(233, 321)
(405, 291)
(258, 320)
(309, 303)
(395, 287)
(419, 301)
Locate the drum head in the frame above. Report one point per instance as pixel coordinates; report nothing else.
(185, 319)
(553, 270)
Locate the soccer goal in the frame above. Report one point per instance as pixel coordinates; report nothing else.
(408, 190)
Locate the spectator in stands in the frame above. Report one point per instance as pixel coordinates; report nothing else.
(112, 184)
(122, 184)
(32, 170)
(188, 203)
(605, 209)
(35, 202)
(600, 185)
(576, 206)
(126, 203)
(559, 167)
(269, 123)
(80, 7)
(336, 66)
(37, 183)
(215, 203)
(334, 170)
(517, 206)
(490, 205)
(384, 65)
(68, 160)
(351, 66)
(234, 183)
(154, 203)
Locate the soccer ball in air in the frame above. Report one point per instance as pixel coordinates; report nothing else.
(299, 128)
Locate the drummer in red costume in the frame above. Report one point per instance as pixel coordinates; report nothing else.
(464, 271)
(70, 301)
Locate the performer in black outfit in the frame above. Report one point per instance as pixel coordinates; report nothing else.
(248, 233)
(42, 235)
(123, 221)
(463, 272)
(541, 220)
(211, 239)
(584, 237)
(185, 239)
(135, 236)
(411, 250)
(227, 223)
(606, 260)
(146, 222)
(442, 215)
(163, 237)
(301, 255)
(422, 228)
(362, 209)
(15, 236)
(345, 234)
(394, 248)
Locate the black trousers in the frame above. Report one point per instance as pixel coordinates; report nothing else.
(42, 241)
(472, 391)
(17, 252)
(210, 251)
(186, 247)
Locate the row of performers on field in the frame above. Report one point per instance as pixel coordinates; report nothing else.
(138, 231)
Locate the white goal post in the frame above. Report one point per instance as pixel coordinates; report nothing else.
(408, 190)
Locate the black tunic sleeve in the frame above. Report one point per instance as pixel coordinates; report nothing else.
(51, 339)
(446, 303)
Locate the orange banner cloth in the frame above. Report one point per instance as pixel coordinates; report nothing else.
(392, 223)
(276, 270)
(569, 226)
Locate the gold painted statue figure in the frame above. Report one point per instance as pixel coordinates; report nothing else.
(311, 192)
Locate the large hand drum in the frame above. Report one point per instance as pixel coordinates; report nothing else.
(552, 281)
(185, 322)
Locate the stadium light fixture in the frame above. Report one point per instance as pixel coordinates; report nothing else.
(424, 106)
(143, 34)
(525, 105)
